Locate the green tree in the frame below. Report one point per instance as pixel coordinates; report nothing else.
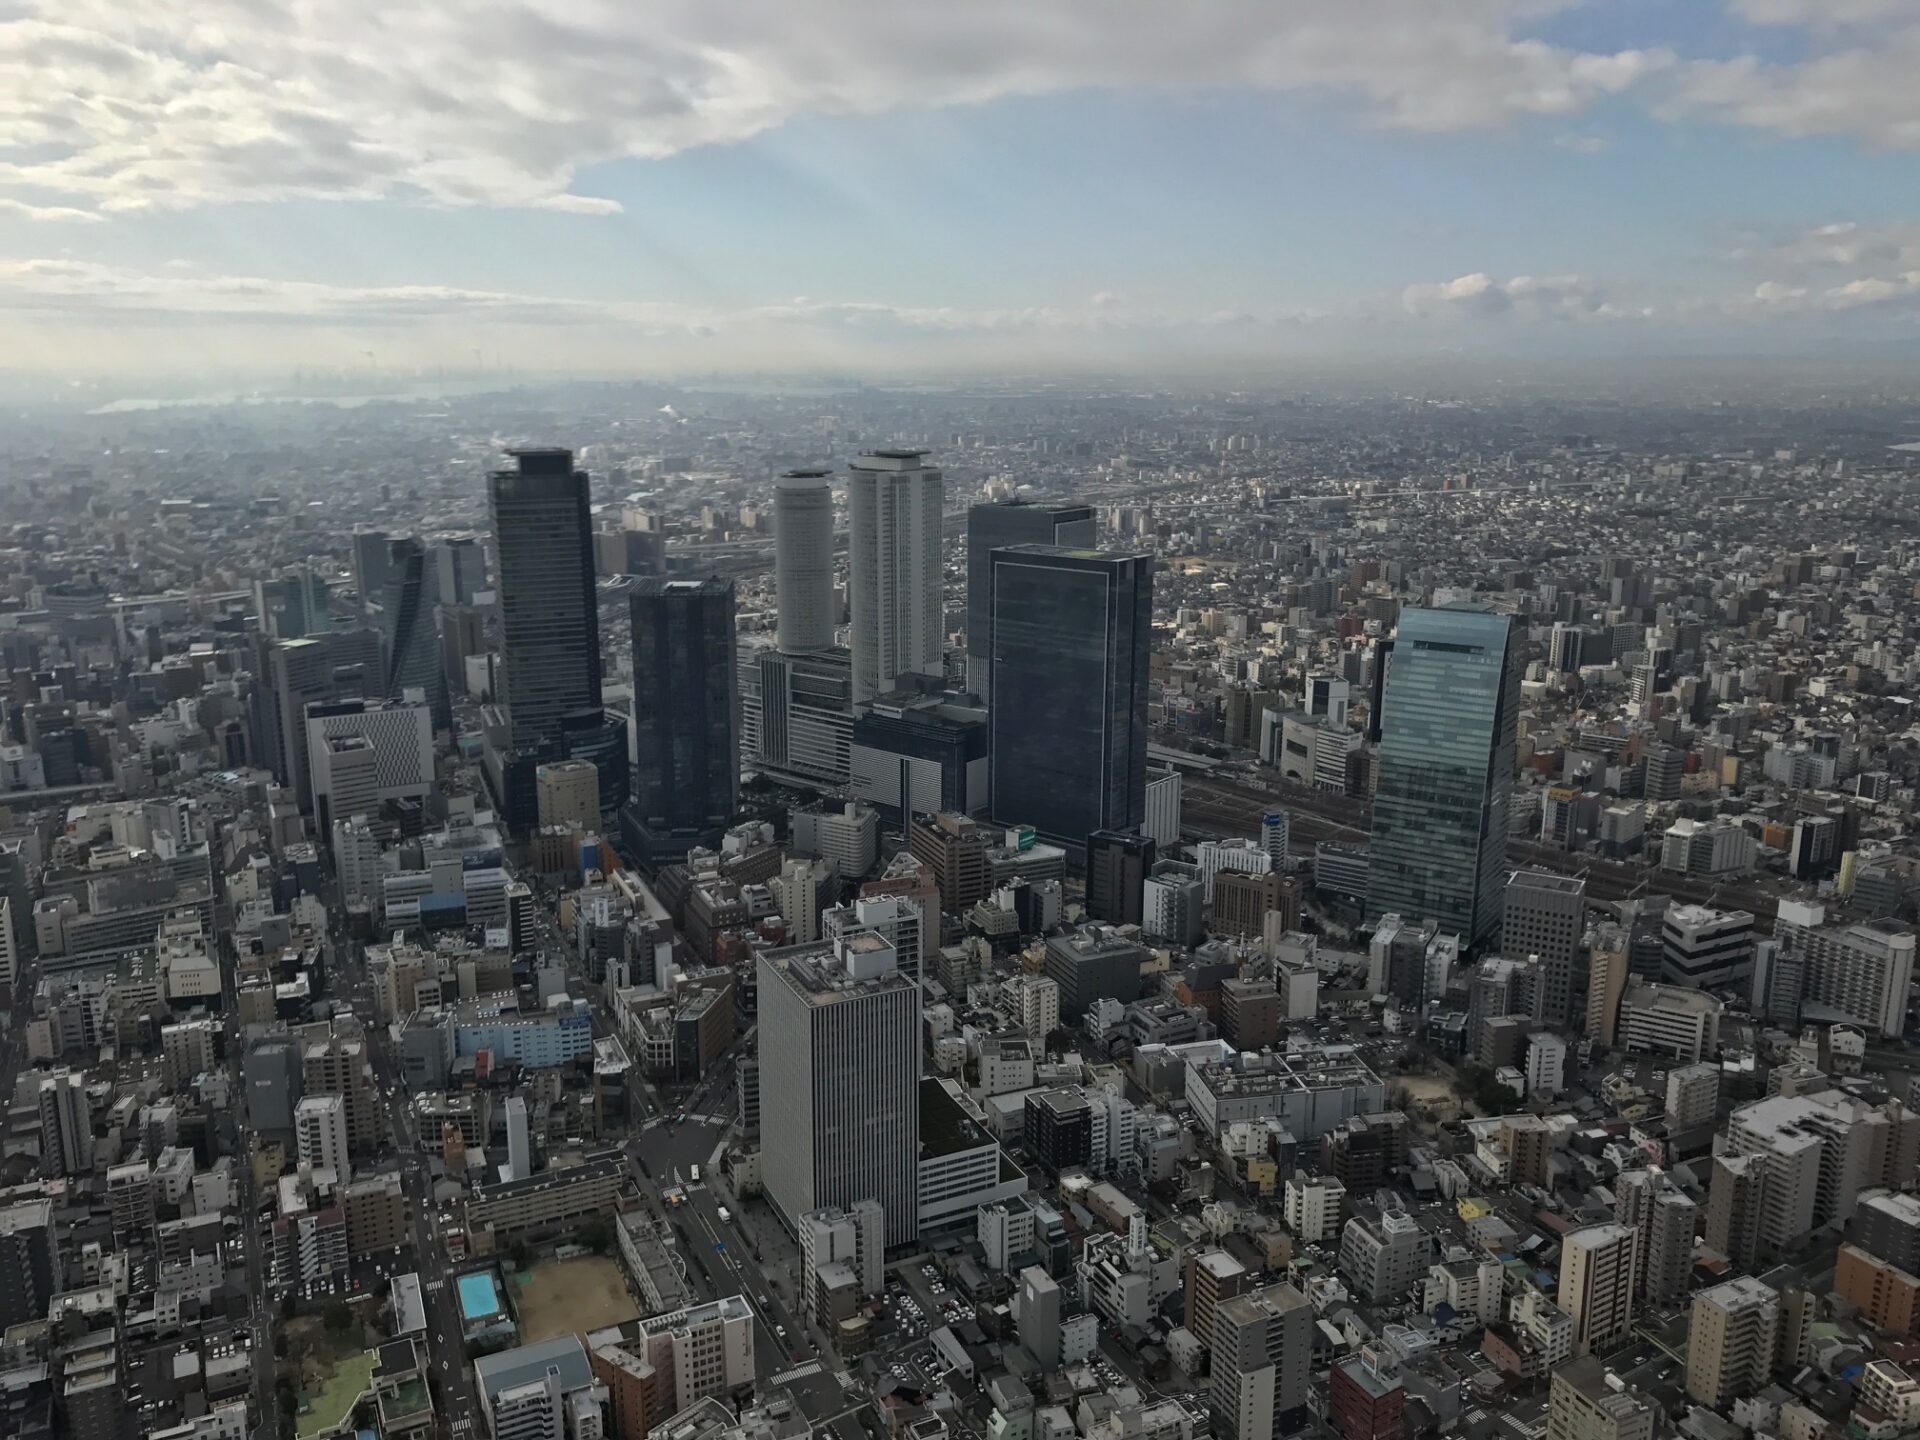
(597, 1236)
(337, 1317)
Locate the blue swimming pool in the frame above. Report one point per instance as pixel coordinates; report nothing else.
(479, 1298)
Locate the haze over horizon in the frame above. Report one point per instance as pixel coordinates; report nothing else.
(592, 188)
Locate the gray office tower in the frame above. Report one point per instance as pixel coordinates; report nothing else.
(1439, 847)
(839, 1052)
(1068, 671)
(370, 566)
(994, 527)
(686, 778)
(407, 629)
(803, 561)
(549, 622)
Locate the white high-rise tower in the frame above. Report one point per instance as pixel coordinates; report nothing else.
(803, 561)
(896, 505)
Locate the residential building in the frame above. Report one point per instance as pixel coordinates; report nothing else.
(1597, 1285)
(1262, 1355)
(1731, 1336)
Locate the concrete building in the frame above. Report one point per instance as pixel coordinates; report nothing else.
(1669, 1020)
(1385, 1256)
(1542, 918)
(895, 504)
(1706, 949)
(1262, 1356)
(839, 1060)
(1731, 1336)
(1597, 1285)
(1586, 1402)
(567, 792)
(320, 1132)
(803, 561)
(1311, 1207)
(1693, 1096)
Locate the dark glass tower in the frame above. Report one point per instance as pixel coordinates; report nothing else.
(994, 527)
(1439, 848)
(408, 632)
(686, 780)
(1068, 672)
(549, 623)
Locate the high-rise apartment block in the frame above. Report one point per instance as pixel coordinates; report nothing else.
(1439, 846)
(1597, 1285)
(1262, 1356)
(1731, 1336)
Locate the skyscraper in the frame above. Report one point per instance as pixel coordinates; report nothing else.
(370, 567)
(459, 567)
(686, 781)
(1071, 630)
(549, 622)
(1439, 842)
(839, 1052)
(803, 561)
(1262, 1354)
(895, 537)
(407, 629)
(994, 527)
(298, 673)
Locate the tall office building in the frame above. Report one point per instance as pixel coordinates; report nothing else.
(410, 636)
(1439, 843)
(549, 621)
(1730, 1340)
(293, 604)
(895, 537)
(1262, 1355)
(1118, 863)
(370, 567)
(1071, 630)
(803, 561)
(839, 1054)
(1542, 918)
(1734, 1207)
(458, 566)
(292, 674)
(686, 777)
(1587, 1403)
(996, 526)
(1596, 1286)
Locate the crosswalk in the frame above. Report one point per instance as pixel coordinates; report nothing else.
(799, 1372)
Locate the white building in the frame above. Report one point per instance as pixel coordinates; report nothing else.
(896, 536)
(1311, 1207)
(1859, 973)
(853, 1240)
(1546, 1063)
(320, 1131)
(848, 838)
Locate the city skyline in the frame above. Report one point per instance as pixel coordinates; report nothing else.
(813, 187)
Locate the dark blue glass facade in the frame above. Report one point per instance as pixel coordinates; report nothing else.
(1439, 847)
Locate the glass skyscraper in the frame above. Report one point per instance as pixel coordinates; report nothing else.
(1071, 630)
(993, 527)
(1439, 848)
(549, 620)
(407, 629)
(686, 780)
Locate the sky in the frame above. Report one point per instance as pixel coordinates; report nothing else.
(905, 186)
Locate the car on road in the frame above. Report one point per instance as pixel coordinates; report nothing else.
(725, 1218)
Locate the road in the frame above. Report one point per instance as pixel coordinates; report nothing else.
(1216, 807)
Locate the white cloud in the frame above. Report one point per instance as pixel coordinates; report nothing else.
(1820, 14)
(112, 107)
(1562, 297)
(46, 212)
(1865, 92)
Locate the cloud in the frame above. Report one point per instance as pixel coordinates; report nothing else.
(1820, 14)
(1864, 92)
(46, 212)
(1563, 297)
(174, 103)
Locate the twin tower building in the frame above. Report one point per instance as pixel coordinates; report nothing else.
(1042, 722)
